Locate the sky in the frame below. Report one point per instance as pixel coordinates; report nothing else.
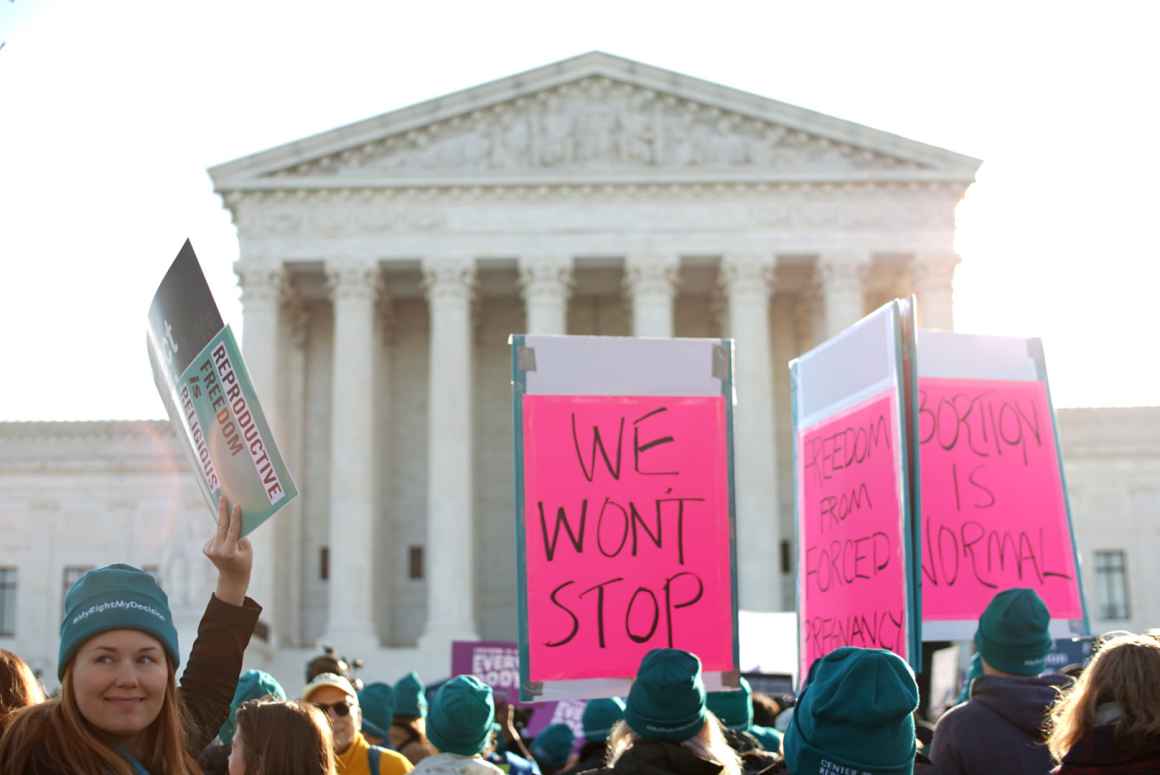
(111, 113)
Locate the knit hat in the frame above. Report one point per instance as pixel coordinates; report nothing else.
(553, 746)
(115, 597)
(1012, 635)
(734, 708)
(461, 716)
(854, 714)
(769, 737)
(253, 685)
(333, 680)
(410, 700)
(377, 701)
(599, 717)
(667, 699)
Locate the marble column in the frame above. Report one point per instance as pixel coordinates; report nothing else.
(806, 315)
(546, 283)
(354, 286)
(450, 547)
(932, 278)
(651, 282)
(842, 291)
(748, 285)
(296, 317)
(262, 287)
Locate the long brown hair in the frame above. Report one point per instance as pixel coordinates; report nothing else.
(55, 734)
(18, 686)
(709, 744)
(1124, 671)
(284, 737)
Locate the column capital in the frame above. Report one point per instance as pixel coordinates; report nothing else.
(449, 277)
(934, 271)
(747, 275)
(843, 273)
(648, 273)
(354, 280)
(545, 277)
(260, 283)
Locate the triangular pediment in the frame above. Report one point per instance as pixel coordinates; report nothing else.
(594, 116)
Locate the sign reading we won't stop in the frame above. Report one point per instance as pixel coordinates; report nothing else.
(625, 531)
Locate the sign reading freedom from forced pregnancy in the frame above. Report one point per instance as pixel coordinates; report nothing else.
(210, 399)
(627, 533)
(994, 514)
(852, 552)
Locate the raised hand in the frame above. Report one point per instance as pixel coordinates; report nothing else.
(231, 554)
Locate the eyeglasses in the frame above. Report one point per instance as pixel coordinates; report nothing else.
(341, 709)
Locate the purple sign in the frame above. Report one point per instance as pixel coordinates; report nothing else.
(497, 664)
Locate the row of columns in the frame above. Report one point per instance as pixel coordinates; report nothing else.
(747, 281)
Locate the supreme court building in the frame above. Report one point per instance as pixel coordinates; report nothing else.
(385, 263)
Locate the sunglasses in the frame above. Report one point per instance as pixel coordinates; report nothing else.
(341, 709)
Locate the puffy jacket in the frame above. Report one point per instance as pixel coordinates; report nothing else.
(999, 730)
(1100, 753)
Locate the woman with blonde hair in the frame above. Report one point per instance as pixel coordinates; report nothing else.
(18, 686)
(120, 711)
(281, 737)
(1109, 721)
(666, 726)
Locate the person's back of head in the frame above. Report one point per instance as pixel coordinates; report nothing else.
(282, 737)
(461, 716)
(1013, 637)
(667, 705)
(1120, 688)
(553, 748)
(252, 685)
(377, 701)
(855, 714)
(18, 686)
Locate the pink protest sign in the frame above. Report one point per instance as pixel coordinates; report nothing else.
(853, 584)
(993, 505)
(627, 533)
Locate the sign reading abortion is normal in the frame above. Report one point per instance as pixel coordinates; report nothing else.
(211, 401)
(994, 504)
(624, 523)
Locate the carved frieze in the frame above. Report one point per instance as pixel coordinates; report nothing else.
(592, 125)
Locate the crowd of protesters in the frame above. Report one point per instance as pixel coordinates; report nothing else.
(121, 709)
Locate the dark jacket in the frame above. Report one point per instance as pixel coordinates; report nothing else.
(647, 757)
(591, 757)
(210, 677)
(755, 760)
(1100, 753)
(999, 730)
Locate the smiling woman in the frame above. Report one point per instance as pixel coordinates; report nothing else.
(120, 711)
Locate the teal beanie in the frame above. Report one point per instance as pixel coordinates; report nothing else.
(1013, 633)
(115, 597)
(734, 708)
(553, 746)
(410, 699)
(377, 701)
(253, 685)
(769, 737)
(667, 699)
(461, 716)
(855, 714)
(599, 718)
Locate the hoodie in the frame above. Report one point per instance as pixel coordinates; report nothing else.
(999, 730)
